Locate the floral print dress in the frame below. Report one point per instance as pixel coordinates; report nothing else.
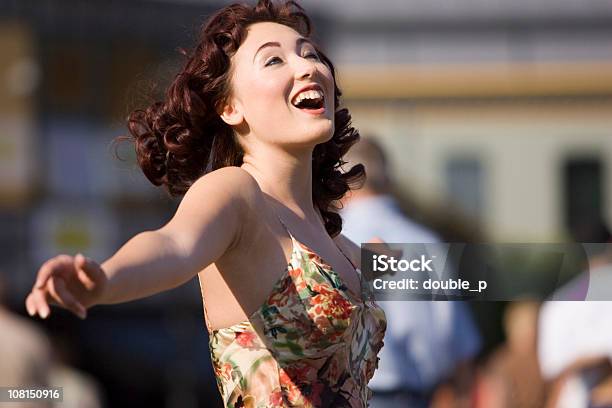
(313, 343)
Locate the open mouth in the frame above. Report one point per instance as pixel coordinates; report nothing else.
(311, 100)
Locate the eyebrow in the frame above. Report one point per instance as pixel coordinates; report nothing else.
(298, 43)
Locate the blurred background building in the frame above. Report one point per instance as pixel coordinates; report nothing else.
(500, 108)
(497, 111)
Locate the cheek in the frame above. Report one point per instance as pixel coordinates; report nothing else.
(269, 90)
(257, 94)
(266, 101)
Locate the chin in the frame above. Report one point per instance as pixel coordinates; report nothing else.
(323, 133)
(311, 134)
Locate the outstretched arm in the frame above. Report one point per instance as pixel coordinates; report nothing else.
(205, 226)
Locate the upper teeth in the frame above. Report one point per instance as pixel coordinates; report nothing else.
(313, 94)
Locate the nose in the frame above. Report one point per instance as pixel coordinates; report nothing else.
(305, 68)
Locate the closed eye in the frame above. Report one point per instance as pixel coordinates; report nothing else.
(312, 55)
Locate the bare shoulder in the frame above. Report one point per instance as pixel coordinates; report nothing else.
(351, 249)
(228, 182)
(216, 205)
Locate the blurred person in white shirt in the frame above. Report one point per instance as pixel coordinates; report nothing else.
(575, 327)
(427, 342)
(25, 353)
(28, 359)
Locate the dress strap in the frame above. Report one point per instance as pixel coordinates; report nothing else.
(206, 320)
(347, 258)
(282, 223)
(294, 239)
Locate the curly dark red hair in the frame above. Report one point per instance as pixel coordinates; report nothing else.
(181, 138)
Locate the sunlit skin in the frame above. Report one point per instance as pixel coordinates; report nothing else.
(225, 229)
(263, 83)
(278, 139)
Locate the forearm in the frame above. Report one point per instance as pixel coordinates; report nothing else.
(149, 263)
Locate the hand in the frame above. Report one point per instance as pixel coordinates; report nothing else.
(385, 249)
(74, 283)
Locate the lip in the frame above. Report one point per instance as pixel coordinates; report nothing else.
(309, 87)
(313, 112)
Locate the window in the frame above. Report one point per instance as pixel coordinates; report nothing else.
(464, 184)
(583, 197)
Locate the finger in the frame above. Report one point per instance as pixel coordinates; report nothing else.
(85, 271)
(91, 269)
(383, 248)
(40, 303)
(57, 289)
(30, 306)
(52, 267)
(71, 302)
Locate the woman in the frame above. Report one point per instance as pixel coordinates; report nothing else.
(251, 133)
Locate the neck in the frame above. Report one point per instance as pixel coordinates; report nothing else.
(284, 176)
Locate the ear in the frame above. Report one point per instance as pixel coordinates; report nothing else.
(231, 112)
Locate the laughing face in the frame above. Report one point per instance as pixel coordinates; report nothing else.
(281, 91)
